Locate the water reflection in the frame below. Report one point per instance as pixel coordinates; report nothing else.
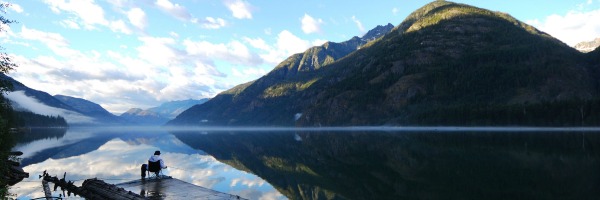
(413, 165)
(116, 157)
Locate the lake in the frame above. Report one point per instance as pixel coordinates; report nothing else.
(331, 163)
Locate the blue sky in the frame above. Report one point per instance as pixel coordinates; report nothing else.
(138, 53)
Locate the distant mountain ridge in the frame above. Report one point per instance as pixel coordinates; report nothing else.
(173, 108)
(143, 117)
(26, 99)
(39, 95)
(445, 64)
(82, 112)
(588, 46)
(161, 114)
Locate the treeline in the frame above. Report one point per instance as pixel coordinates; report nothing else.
(557, 113)
(29, 119)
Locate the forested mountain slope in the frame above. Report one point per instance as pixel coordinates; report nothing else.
(445, 64)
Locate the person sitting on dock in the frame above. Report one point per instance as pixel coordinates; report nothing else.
(156, 158)
(155, 164)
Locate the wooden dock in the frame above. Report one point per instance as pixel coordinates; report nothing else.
(171, 188)
(164, 187)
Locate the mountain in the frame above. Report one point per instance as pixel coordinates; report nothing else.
(41, 96)
(445, 64)
(161, 114)
(173, 108)
(89, 108)
(75, 111)
(588, 45)
(280, 80)
(143, 117)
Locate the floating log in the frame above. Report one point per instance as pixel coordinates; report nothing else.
(92, 189)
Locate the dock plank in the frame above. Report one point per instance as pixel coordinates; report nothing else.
(171, 188)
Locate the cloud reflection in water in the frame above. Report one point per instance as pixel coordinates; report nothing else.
(119, 160)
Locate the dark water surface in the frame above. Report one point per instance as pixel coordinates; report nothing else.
(333, 164)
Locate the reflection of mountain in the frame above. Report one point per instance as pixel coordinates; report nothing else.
(45, 144)
(414, 165)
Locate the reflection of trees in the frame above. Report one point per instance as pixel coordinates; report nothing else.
(414, 165)
(29, 135)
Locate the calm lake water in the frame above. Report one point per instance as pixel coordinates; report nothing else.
(409, 163)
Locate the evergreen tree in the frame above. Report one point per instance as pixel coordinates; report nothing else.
(6, 139)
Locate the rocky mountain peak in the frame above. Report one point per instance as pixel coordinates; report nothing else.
(133, 111)
(588, 46)
(377, 32)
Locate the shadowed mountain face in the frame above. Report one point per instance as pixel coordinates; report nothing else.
(41, 96)
(445, 64)
(405, 165)
(89, 108)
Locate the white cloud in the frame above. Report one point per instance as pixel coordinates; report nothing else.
(289, 44)
(234, 51)
(258, 43)
(173, 34)
(156, 70)
(86, 10)
(16, 7)
(318, 42)
(248, 72)
(395, 11)
(175, 10)
(137, 17)
(212, 23)
(67, 23)
(50, 39)
(157, 50)
(358, 24)
(571, 28)
(310, 24)
(118, 3)
(239, 8)
(286, 44)
(120, 26)
(86, 14)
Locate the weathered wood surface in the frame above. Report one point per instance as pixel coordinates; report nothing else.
(170, 188)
